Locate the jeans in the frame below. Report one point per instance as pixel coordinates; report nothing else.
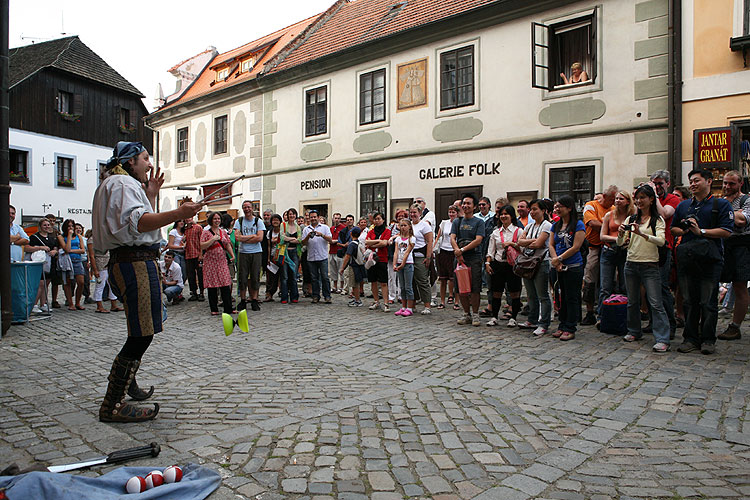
(570, 282)
(172, 291)
(405, 276)
(319, 276)
(666, 294)
(179, 258)
(700, 302)
(610, 261)
(537, 290)
(288, 277)
(646, 274)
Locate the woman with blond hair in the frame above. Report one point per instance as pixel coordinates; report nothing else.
(613, 257)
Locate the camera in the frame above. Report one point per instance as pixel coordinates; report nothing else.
(684, 224)
(630, 227)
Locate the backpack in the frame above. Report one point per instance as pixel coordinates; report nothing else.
(360, 258)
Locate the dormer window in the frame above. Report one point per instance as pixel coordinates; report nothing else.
(247, 64)
(222, 74)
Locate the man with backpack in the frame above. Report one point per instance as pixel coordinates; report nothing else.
(702, 221)
(249, 231)
(737, 252)
(354, 258)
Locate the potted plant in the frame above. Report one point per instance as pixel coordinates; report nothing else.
(65, 182)
(70, 117)
(127, 129)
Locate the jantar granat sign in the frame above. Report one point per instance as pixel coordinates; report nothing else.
(712, 148)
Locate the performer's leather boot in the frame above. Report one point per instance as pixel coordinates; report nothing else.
(114, 408)
(135, 392)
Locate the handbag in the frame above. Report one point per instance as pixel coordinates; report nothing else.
(463, 277)
(527, 263)
(510, 253)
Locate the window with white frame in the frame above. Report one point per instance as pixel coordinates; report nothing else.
(220, 135)
(247, 64)
(182, 145)
(564, 54)
(65, 171)
(372, 97)
(577, 182)
(457, 78)
(316, 111)
(19, 165)
(222, 74)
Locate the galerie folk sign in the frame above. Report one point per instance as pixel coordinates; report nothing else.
(712, 148)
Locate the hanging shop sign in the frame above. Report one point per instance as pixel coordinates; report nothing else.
(473, 170)
(712, 148)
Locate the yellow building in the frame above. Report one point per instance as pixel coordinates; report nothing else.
(716, 85)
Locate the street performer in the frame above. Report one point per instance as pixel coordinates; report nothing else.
(125, 225)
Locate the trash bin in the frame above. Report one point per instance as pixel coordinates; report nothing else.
(24, 284)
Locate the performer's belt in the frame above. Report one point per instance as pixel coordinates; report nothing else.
(134, 253)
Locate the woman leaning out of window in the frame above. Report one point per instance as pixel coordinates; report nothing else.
(644, 234)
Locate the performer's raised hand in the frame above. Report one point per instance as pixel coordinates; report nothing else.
(154, 183)
(188, 209)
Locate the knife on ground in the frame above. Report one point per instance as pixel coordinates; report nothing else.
(151, 450)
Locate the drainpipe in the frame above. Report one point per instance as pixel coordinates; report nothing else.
(674, 96)
(7, 310)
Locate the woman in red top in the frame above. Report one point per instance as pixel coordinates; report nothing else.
(214, 243)
(377, 275)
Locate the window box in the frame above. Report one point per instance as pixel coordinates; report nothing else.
(127, 129)
(17, 177)
(69, 117)
(65, 182)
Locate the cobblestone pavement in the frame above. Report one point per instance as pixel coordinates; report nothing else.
(326, 401)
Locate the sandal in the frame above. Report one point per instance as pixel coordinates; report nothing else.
(507, 316)
(214, 313)
(103, 311)
(450, 300)
(567, 336)
(117, 309)
(72, 308)
(441, 306)
(456, 307)
(80, 308)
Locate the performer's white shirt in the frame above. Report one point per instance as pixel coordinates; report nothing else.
(174, 273)
(119, 203)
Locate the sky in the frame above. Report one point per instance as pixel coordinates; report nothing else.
(142, 39)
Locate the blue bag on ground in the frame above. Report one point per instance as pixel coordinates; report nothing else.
(614, 315)
(197, 483)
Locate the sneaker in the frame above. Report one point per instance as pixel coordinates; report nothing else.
(315, 300)
(201, 298)
(660, 347)
(385, 308)
(725, 312)
(36, 310)
(294, 301)
(426, 311)
(343, 292)
(284, 301)
(399, 312)
(193, 298)
(708, 348)
(407, 312)
(590, 319)
(526, 324)
(254, 305)
(242, 305)
(327, 300)
(355, 303)
(433, 303)
(687, 347)
(630, 338)
(45, 308)
(475, 321)
(465, 320)
(374, 306)
(512, 322)
(540, 330)
(731, 333)
(492, 322)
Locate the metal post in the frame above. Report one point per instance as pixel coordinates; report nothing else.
(7, 309)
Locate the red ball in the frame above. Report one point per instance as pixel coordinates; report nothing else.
(172, 474)
(135, 484)
(154, 479)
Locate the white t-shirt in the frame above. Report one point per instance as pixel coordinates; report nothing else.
(177, 238)
(420, 230)
(532, 231)
(445, 235)
(402, 245)
(317, 246)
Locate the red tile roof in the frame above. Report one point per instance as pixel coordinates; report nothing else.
(271, 45)
(352, 23)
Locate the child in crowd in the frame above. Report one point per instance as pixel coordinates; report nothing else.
(403, 264)
(354, 258)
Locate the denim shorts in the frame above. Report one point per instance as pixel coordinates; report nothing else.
(78, 269)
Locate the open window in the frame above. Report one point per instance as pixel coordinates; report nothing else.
(556, 47)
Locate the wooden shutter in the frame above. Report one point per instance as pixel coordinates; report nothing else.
(593, 44)
(78, 104)
(540, 56)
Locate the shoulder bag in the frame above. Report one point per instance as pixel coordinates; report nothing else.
(527, 263)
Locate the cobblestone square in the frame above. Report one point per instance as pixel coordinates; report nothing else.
(325, 401)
